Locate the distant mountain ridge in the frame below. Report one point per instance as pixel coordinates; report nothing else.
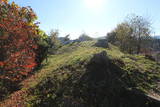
(157, 36)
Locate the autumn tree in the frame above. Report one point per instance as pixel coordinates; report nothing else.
(84, 37)
(132, 35)
(111, 37)
(66, 38)
(141, 29)
(53, 39)
(124, 35)
(19, 41)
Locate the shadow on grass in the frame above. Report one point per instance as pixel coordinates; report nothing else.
(101, 84)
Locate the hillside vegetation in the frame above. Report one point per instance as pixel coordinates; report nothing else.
(84, 75)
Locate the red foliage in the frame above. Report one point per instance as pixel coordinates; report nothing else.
(18, 41)
(1, 64)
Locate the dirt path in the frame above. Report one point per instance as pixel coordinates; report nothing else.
(15, 100)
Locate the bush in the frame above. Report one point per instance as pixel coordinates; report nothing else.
(19, 37)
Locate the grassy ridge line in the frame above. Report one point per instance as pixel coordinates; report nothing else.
(54, 62)
(83, 52)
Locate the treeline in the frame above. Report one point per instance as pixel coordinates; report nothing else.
(133, 35)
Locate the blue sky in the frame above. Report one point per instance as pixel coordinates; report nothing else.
(95, 17)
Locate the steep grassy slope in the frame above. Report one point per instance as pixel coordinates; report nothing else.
(83, 75)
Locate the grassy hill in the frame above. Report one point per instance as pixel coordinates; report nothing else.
(84, 75)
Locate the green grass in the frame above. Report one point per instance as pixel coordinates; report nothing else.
(71, 60)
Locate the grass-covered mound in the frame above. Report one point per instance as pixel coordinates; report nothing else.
(83, 75)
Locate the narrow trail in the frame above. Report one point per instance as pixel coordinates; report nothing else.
(17, 99)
